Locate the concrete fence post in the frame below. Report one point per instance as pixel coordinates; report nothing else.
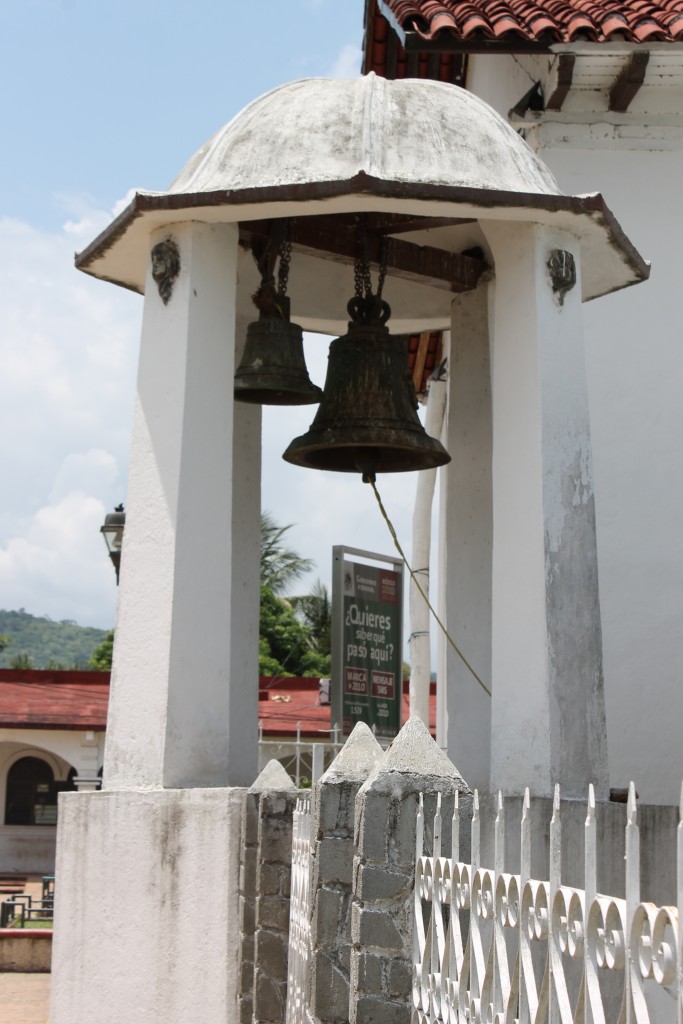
(273, 879)
(265, 865)
(384, 868)
(332, 874)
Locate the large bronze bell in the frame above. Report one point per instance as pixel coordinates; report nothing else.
(367, 420)
(272, 370)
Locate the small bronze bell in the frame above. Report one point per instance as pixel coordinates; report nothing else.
(273, 370)
(367, 420)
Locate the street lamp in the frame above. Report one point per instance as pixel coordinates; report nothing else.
(112, 531)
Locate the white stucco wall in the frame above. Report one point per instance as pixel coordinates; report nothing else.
(30, 849)
(634, 359)
(146, 909)
(634, 363)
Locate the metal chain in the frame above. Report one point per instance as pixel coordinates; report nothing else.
(383, 256)
(285, 258)
(361, 267)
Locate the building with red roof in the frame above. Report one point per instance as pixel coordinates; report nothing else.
(52, 732)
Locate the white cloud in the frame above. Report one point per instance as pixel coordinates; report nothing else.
(59, 565)
(97, 467)
(347, 63)
(90, 219)
(68, 353)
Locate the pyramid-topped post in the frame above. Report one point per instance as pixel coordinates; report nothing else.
(265, 877)
(384, 868)
(254, 876)
(332, 873)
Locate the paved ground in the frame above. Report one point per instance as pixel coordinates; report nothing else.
(24, 998)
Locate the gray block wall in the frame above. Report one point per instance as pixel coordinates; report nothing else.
(265, 876)
(384, 869)
(332, 875)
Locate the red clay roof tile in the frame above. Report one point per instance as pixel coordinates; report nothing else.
(384, 54)
(285, 702)
(34, 699)
(542, 21)
(53, 700)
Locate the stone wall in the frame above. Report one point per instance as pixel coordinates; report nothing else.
(265, 871)
(362, 872)
(359, 902)
(26, 951)
(384, 869)
(332, 874)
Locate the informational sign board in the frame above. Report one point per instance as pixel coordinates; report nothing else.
(367, 634)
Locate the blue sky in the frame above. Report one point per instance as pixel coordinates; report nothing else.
(102, 97)
(105, 95)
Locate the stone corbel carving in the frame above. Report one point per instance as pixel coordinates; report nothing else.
(165, 267)
(562, 273)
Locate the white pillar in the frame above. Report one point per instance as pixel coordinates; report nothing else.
(548, 717)
(419, 640)
(182, 730)
(180, 712)
(467, 537)
(243, 761)
(87, 778)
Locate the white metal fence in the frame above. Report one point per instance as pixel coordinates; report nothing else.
(299, 921)
(303, 760)
(499, 948)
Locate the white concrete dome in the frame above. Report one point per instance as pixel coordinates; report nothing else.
(424, 150)
(413, 131)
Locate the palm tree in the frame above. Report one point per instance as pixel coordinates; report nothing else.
(280, 565)
(315, 610)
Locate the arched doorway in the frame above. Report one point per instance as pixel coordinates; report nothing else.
(31, 797)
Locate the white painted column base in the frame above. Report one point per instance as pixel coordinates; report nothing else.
(146, 907)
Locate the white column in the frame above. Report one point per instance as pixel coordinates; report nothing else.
(243, 766)
(176, 708)
(548, 717)
(466, 532)
(87, 779)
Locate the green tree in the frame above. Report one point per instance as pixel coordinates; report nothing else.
(280, 565)
(102, 655)
(47, 642)
(294, 635)
(4, 641)
(315, 611)
(286, 647)
(21, 661)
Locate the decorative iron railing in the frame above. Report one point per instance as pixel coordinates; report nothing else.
(303, 760)
(499, 948)
(299, 917)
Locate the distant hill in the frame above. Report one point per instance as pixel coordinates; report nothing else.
(46, 643)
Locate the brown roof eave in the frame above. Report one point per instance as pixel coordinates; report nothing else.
(447, 42)
(13, 723)
(362, 183)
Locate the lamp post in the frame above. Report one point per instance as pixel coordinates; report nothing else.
(112, 531)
